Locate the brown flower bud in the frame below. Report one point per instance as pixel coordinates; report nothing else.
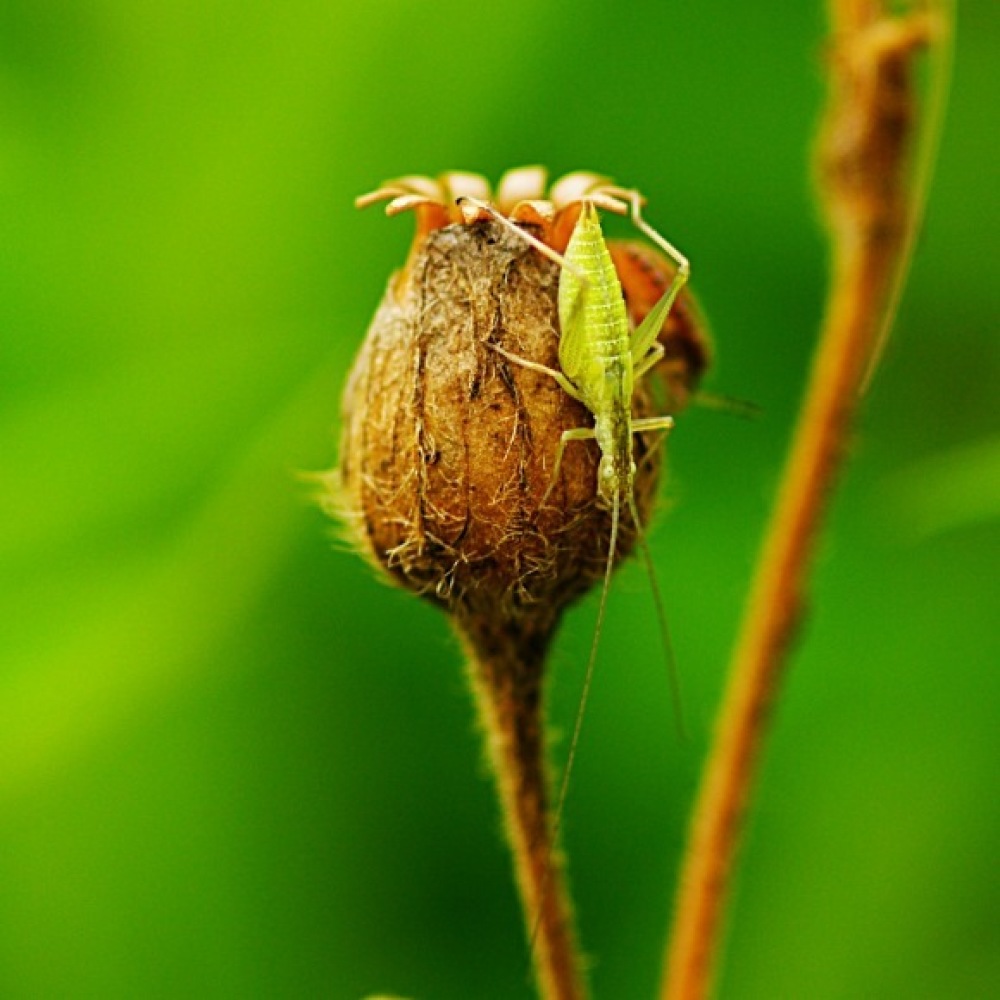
(448, 451)
(448, 447)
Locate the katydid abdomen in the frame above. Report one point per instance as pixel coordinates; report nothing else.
(594, 339)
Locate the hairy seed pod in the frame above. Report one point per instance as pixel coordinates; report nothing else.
(448, 447)
(447, 455)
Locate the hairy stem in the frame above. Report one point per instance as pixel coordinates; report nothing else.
(864, 181)
(506, 663)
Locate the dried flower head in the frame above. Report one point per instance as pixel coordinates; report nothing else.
(446, 467)
(448, 447)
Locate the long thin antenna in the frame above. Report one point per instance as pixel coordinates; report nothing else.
(661, 617)
(578, 725)
(543, 248)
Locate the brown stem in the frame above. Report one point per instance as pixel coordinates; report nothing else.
(863, 160)
(506, 661)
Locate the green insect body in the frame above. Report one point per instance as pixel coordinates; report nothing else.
(600, 361)
(595, 350)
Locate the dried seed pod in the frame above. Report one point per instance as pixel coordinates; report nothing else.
(448, 447)
(447, 454)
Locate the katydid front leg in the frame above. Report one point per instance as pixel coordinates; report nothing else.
(534, 366)
(574, 434)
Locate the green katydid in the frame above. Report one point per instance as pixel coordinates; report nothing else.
(600, 360)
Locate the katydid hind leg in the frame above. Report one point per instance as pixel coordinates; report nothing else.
(653, 357)
(661, 616)
(564, 382)
(649, 329)
(635, 200)
(641, 426)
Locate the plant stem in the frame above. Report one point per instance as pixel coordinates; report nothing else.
(863, 161)
(506, 661)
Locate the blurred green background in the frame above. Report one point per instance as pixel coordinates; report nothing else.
(232, 763)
